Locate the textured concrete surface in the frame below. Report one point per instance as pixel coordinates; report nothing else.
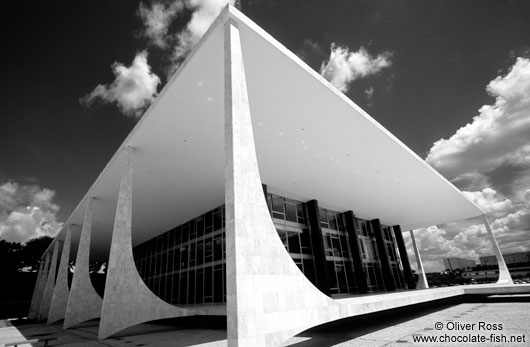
(127, 300)
(268, 298)
(422, 280)
(61, 291)
(37, 291)
(83, 302)
(390, 328)
(401, 328)
(50, 284)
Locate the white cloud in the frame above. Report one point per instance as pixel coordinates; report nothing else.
(26, 212)
(204, 13)
(491, 157)
(344, 66)
(498, 134)
(134, 88)
(488, 200)
(156, 20)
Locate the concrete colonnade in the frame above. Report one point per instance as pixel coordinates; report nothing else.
(127, 300)
(50, 284)
(83, 302)
(39, 288)
(60, 291)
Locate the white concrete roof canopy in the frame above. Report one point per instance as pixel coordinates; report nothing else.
(312, 143)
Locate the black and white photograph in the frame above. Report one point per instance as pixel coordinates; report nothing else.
(262, 173)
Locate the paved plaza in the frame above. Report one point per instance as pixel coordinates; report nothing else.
(495, 318)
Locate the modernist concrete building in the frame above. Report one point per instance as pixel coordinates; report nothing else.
(509, 258)
(251, 189)
(455, 263)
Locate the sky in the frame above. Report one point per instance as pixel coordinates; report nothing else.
(451, 79)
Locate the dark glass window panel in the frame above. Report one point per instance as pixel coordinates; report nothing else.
(176, 260)
(322, 216)
(290, 210)
(185, 233)
(208, 222)
(364, 229)
(305, 241)
(349, 277)
(332, 221)
(332, 277)
(344, 246)
(170, 261)
(341, 276)
(336, 245)
(200, 226)
(372, 282)
(193, 255)
(208, 251)
(200, 253)
(163, 264)
(217, 221)
(224, 245)
(165, 241)
(175, 289)
(208, 286)
(309, 270)
(158, 264)
(171, 240)
(158, 244)
(300, 209)
(218, 292)
(277, 204)
(218, 248)
(191, 287)
(162, 290)
(183, 290)
(328, 245)
(199, 282)
(193, 230)
(178, 236)
(224, 282)
(184, 257)
(294, 242)
(277, 215)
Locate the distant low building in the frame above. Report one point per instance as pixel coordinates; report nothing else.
(455, 263)
(510, 258)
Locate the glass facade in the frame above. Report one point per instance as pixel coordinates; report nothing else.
(338, 254)
(290, 219)
(369, 255)
(186, 265)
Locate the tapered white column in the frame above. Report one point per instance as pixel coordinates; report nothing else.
(268, 298)
(61, 291)
(37, 292)
(84, 303)
(504, 274)
(422, 281)
(50, 285)
(127, 300)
